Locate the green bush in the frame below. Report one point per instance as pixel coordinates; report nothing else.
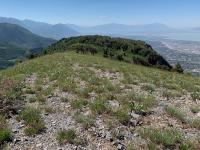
(178, 68)
(115, 48)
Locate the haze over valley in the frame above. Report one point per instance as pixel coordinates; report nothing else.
(176, 45)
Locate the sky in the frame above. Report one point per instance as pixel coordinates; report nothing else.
(175, 13)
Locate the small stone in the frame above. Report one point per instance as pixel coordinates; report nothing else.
(15, 131)
(120, 137)
(24, 139)
(21, 126)
(45, 148)
(54, 122)
(16, 141)
(46, 114)
(39, 145)
(87, 113)
(134, 122)
(198, 114)
(114, 105)
(134, 115)
(109, 136)
(120, 147)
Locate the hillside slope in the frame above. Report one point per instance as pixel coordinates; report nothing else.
(16, 42)
(19, 36)
(131, 51)
(75, 101)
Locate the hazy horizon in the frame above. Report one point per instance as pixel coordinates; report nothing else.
(179, 14)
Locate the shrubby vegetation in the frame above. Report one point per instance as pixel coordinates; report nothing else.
(131, 51)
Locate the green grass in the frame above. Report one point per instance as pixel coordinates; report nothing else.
(33, 121)
(176, 113)
(40, 97)
(196, 123)
(195, 108)
(144, 103)
(86, 121)
(195, 95)
(172, 93)
(79, 103)
(98, 106)
(166, 137)
(148, 87)
(49, 109)
(63, 72)
(5, 132)
(5, 135)
(190, 145)
(139, 103)
(66, 136)
(84, 93)
(123, 117)
(65, 78)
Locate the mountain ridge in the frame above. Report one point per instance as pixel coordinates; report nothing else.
(41, 28)
(56, 30)
(127, 50)
(17, 35)
(16, 42)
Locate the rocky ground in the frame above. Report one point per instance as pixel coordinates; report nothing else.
(109, 130)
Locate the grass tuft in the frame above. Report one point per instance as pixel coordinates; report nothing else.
(196, 123)
(86, 121)
(166, 137)
(98, 106)
(5, 133)
(66, 136)
(176, 113)
(79, 104)
(195, 109)
(123, 117)
(33, 121)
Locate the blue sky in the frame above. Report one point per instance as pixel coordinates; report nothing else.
(177, 13)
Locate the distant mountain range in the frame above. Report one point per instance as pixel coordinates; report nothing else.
(59, 31)
(121, 29)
